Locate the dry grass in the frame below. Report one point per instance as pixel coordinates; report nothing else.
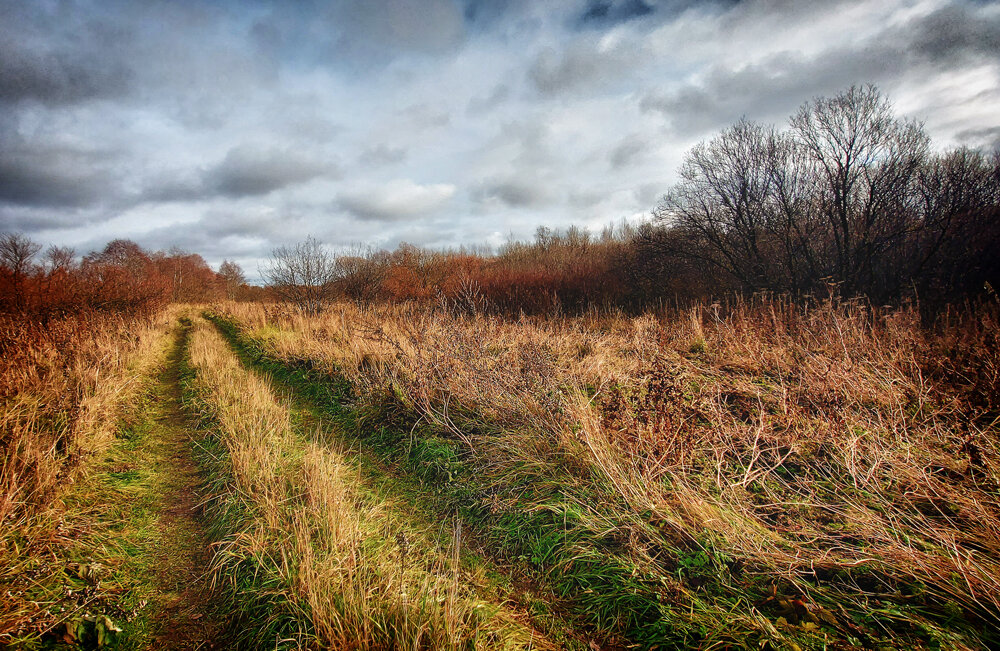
(65, 387)
(310, 555)
(832, 456)
(62, 386)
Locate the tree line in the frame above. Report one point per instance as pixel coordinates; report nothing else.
(847, 194)
(846, 197)
(122, 277)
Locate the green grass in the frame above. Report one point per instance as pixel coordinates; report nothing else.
(315, 414)
(254, 593)
(96, 581)
(391, 550)
(253, 596)
(101, 577)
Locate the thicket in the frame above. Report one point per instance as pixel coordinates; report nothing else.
(847, 198)
(122, 277)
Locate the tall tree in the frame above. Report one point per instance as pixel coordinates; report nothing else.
(837, 196)
(741, 197)
(303, 274)
(864, 164)
(233, 278)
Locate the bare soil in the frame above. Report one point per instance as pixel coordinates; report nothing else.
(185, 618)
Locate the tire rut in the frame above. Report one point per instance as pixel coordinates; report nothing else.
(181, 560)
(377, 474)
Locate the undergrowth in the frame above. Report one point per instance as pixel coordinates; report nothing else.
(738, 475)
(72, 389)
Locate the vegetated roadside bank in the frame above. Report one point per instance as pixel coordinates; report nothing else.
(68, 385)
(414, 480)
(318, 415)
(307, 555)
(120, 557)
(769, 474)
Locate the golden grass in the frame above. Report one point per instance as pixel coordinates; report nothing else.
(837, 449)
(64, 391)
(349, 569)
(63, 385)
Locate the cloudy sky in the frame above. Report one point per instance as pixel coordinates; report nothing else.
(227, 128)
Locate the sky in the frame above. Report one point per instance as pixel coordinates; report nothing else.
(230, 128)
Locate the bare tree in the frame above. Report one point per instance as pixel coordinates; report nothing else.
(865, 163)
(303, 274)
(741, 197)
(837, 196)
(16, 253)
(361, 272)
(60, 258)
(232, 275)
(959, 197)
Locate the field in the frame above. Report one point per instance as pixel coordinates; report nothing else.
(463, 325)
(758, 474)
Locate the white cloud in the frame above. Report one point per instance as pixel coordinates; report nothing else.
(394, 200)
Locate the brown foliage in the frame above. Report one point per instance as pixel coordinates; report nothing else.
(122, 277)
(67, 332)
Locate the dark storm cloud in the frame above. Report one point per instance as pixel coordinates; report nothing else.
(56, 77)
(767, 90)
(39, 62)
(530, 140)
(219, 224)
(31, 219)
(377, 30)
(628, 151)
(581, 65)
(516, 191)
(246, 171)
(483, 13)
(586, 14)
(603, 12)
(250, 171)
(176, 187)
(648, 193)
(53, 177)
(952, 35)
(987, 137)
(772, 87)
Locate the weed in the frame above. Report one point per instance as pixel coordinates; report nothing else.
(829, 461)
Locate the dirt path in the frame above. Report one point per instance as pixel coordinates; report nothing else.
(180, 559)
(131, 567)
(122, 558)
